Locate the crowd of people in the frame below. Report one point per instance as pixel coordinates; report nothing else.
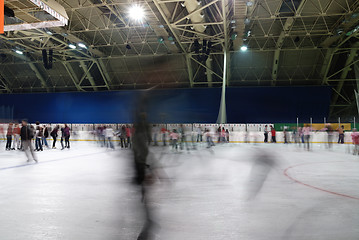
(31, 138)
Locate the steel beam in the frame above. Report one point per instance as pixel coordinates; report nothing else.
(88, 74)
(73, 76)
(189, 69)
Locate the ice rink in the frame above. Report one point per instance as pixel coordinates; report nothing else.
(229, 192)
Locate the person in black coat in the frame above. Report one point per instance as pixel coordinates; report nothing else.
(27, 134)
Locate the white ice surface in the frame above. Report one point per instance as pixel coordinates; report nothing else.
(230, 192)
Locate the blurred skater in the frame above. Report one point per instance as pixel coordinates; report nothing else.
(174, 139)
(27, 134)
(67, 136)
(355, 140)
(16, 143)
(109, 133)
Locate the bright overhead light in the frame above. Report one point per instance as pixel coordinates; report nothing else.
(49, 32)
(136, 13)
(19, 52)
(244, 48)
(72, 46)
(249, 4)
(81, 45)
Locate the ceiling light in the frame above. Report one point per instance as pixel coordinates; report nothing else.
(244, 48)
(249, 4)
(72, 46)
(19, 52)
(49, 32)
(136, 13)
(81, 45)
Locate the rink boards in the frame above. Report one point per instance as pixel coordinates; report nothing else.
(238, 133)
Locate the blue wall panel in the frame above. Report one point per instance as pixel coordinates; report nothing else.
(244, 105)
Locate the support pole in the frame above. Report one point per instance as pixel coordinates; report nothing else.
(222, 115)
(297, 123)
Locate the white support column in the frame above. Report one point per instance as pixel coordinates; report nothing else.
(209, 72)
(222, 115)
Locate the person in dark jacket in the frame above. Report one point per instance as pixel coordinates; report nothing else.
(54, 136)
(27, 134)
(38, 137)
(67, 136)
(9, 136)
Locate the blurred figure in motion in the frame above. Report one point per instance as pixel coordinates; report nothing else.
(155, 131)
(329, 130)
(174, 139)
(208, 136)
(355, 140)
(263, 164)
(16, 143)
(123, 137)
(9, 134)
(341, 134)
(109, 133)
(227, 135)
(27, 134)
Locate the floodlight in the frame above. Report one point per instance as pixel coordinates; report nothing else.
(244, 48)
(82, 45)
(19, 52)
(136, 13)
(72, 46)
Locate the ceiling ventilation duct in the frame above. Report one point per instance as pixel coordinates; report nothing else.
(198, 17)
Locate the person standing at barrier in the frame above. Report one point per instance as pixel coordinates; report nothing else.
(199, 134)
(38, 137)
(67, 136)
(164, 131)
(109, 133)
(341, 134)
(306, 133)
(128, 135)
(9, 135)
(174, 136)
(27, 134)
(54, 136)
(355, 140)
(273, 132)
(16, 142)
(227, 135)
(329, 130)
(266, 133)
(123, 137)
(45, 136)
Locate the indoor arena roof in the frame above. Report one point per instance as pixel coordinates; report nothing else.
(181, 43)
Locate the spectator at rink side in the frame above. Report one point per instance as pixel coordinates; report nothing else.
(54, 136)
(199, 134)
(129, 136)
(9, 135)
(307, 132)
(16, 142)
(38, 137)
(27, 134)
(227, 135)
(266, 133)
(341, 134)
(164, 132)
(123, 137)
(155, 131)
(67, 136)
(109, 133)
(174, 139)
(273, 133)
(45, 136)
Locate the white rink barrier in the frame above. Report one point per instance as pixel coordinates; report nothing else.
(234, 137)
